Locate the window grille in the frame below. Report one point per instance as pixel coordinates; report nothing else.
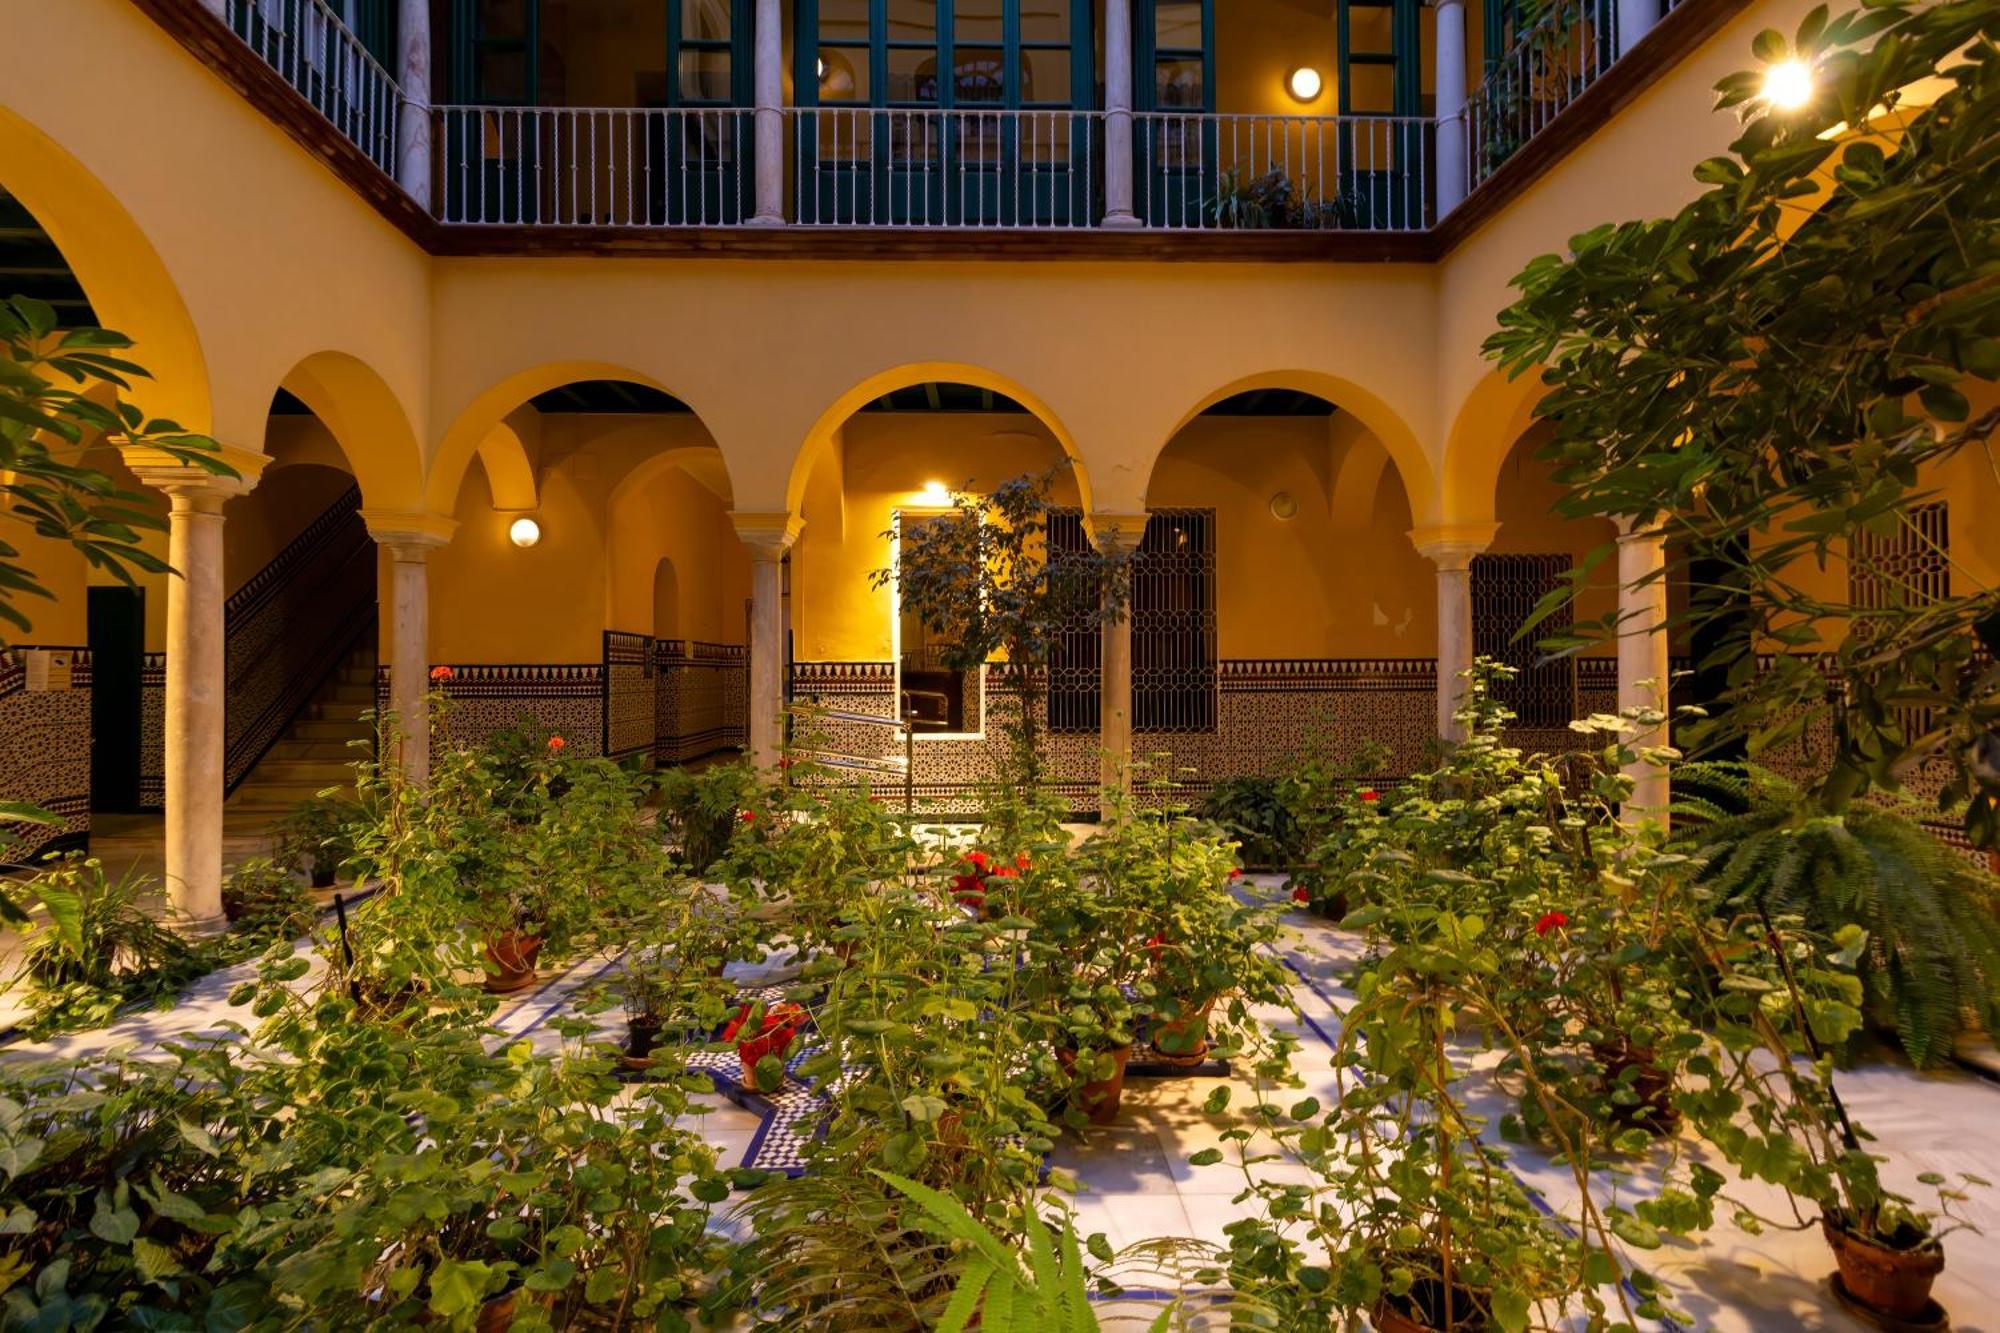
(1173, 623)
(1505, 591)
(1075, 676)
(1905, 570)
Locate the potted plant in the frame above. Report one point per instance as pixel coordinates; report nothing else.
(762, 1035)
(315, 837)
(263, 894)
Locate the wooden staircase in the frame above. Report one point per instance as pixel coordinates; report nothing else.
(315, 751)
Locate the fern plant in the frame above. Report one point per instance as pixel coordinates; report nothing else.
(1932, 965)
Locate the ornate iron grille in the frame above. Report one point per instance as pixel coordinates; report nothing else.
(1905, 570)
(1505, 592)
(1173, 623)
(1076, 665)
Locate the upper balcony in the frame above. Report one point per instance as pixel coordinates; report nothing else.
(629, 117)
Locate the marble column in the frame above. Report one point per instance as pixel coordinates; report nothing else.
(409, 539)
(1116, 535)
(413, 79)
(1635, 19)
(1451, 549)
(197, 683)
(768, 87)
(1644, 670)
(1118, 160)
(767, 536)
(1452, 168)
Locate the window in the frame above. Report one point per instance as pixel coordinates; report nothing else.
(1075, 667)
(1175, 40)
(1173, 623)
(1908, 568)
(1505, 591)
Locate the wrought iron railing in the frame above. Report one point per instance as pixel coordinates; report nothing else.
(291, 627)
(593, 167)
(1534, 79)
(873, 167)
(1310, 173)
(316, 53)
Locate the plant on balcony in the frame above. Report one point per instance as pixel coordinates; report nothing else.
(1253, 203)
(1932, 966)
(1694, 386)
(981, 578)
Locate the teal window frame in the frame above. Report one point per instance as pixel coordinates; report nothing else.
(1391, 195)
(885, 180)
(1176, 170)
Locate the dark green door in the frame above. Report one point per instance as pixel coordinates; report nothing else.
(704, 177)
(1382, 144)
(945, 112)
(116, 619)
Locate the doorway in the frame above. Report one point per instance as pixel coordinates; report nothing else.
(117, 639)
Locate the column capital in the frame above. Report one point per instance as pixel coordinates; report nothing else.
(1118, 534)
(409, 536)
(768, 535)
(198, 487)
(1632, 528)
(1451, 546)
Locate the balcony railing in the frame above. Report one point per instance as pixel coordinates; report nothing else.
(311, 49)
(1545, 68)
(871, 167)
(582, 167)
(1313, 173)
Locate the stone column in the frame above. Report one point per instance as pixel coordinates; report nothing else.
(1644, 670)
(768, 536)
(1451, 548)
(1635, 19)
(197, 682)
(1118, 114)
(768, 83)
(1452, 168)
(1116, 535)
(413, 78)
(409, 539)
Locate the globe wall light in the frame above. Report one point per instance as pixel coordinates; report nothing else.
(524, 532)
(1304, 83)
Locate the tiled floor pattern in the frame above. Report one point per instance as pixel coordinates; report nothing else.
(1137, 1183)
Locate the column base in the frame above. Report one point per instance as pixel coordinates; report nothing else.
(201, 927)
(765, 220)
(1122, 222)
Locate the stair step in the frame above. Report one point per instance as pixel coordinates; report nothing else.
(331, 750)
(328, 729)
(325, 772)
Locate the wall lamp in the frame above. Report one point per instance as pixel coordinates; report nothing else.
(1304, 83)
(524, 532)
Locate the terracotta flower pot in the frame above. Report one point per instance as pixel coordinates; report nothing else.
(1423, 1310)
(1183, 1041)
(510, 961)
(1895, 1283)
(1654, 1112)
(641, 1035)
(1099, 1098)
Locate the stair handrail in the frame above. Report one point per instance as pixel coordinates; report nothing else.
(306, 608)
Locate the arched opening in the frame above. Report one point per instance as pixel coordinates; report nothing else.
(1278, 606)
(894, 460)
(618, 478)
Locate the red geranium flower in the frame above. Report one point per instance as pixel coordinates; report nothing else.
(1370, 795)
(782, 1022)
(1301, 895)
(1021, 861)
(442, 673)
(557, 742)
(1235, 873)
(747, 816)
(976, 858)
(1551, 921)
(1155, 945)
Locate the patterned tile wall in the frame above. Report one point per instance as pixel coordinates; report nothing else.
(631, 697)
(487, 698)
(45, 749)
(153, 732)
(701, 699)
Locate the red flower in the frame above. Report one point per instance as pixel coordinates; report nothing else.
(782, 1022)
(1021, 861)
(1235, 873)
(1551, 921)
(976, 858)
(1155, 945)
(442, 673)
(1370, 795)
(747, 816)
(557, 742)
(1301, 894)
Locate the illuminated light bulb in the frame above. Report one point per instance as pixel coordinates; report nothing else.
(524, 532)
(1788, 85)
(1304, 83)
(936, 493)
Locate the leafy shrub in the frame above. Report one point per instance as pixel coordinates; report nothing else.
(1252, 810)
(1932, 966)
(698, 810)
(100, 948)
(317, 836)
(262, 895)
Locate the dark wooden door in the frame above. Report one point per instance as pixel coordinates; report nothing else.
(117, 630)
